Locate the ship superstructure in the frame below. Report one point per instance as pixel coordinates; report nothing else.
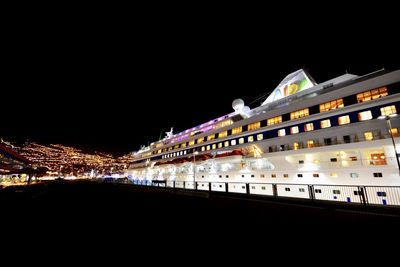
(336, 141)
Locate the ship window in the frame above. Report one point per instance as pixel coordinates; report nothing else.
(253, 187)
(273, 175)
(237, 130)
(300, 175)
(226, 143)
(366, 115)
(287, 189)
(372, 94)
(243, 187)
(262, 176)
(315, 175)
(262, 187)
(219, 145)
(208, 147)
(388, 110)
(281, 132)
(394, 132)
(381, 194)
(227, 176)
(241, 140)
(318, 191)
(220, 176)
(274, 120)
(308, 127)
(301, 161)
(250, 139)
(302, 190)
(331, 105)
(233, 142)
(214, 146)
(333, 174)
(299, 114)
(378, 174)
(200, 140)
(354, 175)
(183, 145)
(344, 120)
(252, 176)
(310, 143)
(325, 123)
(286, 175)
(336, 192)
(260, 137)
(333, 159)
(253, 126)
(223, 134)
(242, 175)
(296, 146)
(203, 148)
(368, 136)
(211, 137)
(294, 130)
(191, 142)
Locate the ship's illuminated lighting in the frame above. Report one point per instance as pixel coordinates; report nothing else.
(308, 166)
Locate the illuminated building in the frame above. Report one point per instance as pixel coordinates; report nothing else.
(306, 140)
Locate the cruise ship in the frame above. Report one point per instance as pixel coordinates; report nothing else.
(333, 141)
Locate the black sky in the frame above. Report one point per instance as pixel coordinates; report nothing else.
(113, 87)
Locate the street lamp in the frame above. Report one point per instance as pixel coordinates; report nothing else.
(194, 168)
(389, 126)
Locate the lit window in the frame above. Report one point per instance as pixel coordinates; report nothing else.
(372, 94)
(191, 142)
(310, 143)
(250, 139)
(214, 146)
(211, 137)
(259, 137)
(183, 145)
(222, 134)
(333, 174)
(294, 130)
(368, 136)
(233, 142)
(203, 148)
(325, 123)
(344, 120)
(159, 151)
(299, 114)
(274, 120)
(176, 146)
(281, 132)
(200, 140)
(237, 130)
(226, 143)
(241, 140)
(366, 115)
(253, 126)
(208, 147)
(331, 105)
(388, 110)
(309, 127)
(219, 145)
(224, 123)
(296, 146)
(395, 132)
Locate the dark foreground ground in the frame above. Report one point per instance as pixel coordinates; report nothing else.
(118, 223)
(134, 207)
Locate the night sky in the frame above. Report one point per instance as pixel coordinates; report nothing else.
(114, 91)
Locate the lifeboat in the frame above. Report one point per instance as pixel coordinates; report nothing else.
(235, 152)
